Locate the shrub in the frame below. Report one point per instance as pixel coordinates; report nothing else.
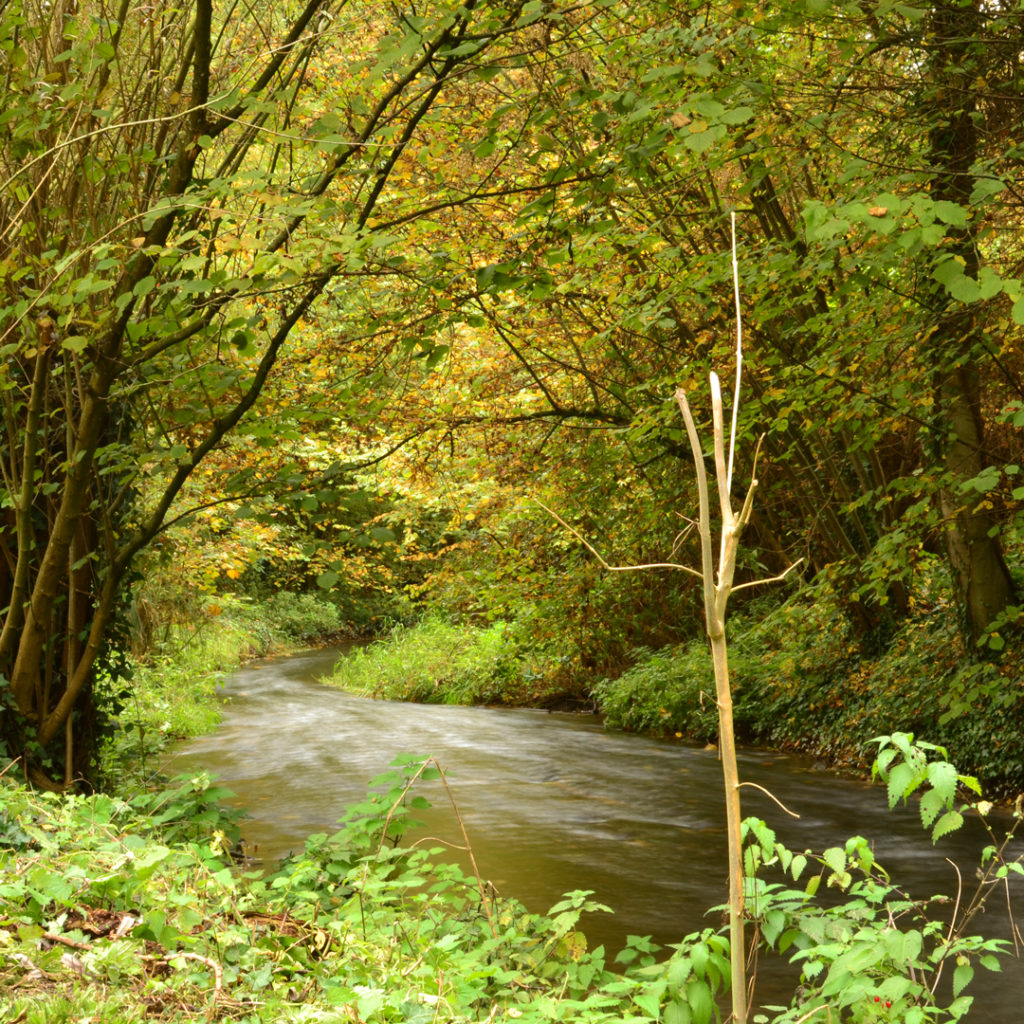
(667, 691)
(439, 662)
(303, 618)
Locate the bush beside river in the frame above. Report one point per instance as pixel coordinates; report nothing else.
(801, 682)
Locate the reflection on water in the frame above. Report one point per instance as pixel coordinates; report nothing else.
(553, 803)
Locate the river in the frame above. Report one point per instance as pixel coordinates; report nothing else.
(554, 803)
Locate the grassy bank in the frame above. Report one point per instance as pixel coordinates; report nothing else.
(171, 693)
(436, 661)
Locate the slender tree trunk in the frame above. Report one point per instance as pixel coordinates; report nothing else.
(982, 582)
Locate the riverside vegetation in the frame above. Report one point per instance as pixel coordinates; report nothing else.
(142, 907)
(124, 910)
(802, 682)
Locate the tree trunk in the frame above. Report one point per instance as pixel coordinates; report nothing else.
(980, 577)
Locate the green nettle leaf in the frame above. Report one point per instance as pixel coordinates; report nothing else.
(931, 804)
(699, 959)
(698, 995)
(903, 780)
(327, 579)
(962, 978)
(949, 822)
(835, 858)
(147, 862)
(942, 776)
(677, 1013)
(650, 1003)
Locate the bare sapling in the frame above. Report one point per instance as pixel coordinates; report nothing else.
(718, 585)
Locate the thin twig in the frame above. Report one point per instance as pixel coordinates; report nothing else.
(65, 941)
(739, 352)
(218, 972)
(769, 579)
(614, 568)
(952, 921)
(817, 1009)
(766, 792)
(485, 902)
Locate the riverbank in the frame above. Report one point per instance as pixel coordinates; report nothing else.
(802, 680)
(178, 664)
(125, 911)
(118, 912)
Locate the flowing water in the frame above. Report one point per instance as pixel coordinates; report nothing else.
(553, 803)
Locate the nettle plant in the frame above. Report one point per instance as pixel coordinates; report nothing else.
(870, 953)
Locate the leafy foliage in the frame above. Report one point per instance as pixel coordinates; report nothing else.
(802, 682)
(438, 662)
(149, 906)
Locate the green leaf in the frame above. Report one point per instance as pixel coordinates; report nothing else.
(950, 213)
(149, 860)
(931, 804)
(650, 1003)
(835, 858)
(679, 969)
(903, 780)
(144, 287)
(949, 822)
(990, 283)
(962, 978)
(737, 115)
(943, 778)
(699, 959)
(698, 995)
(677, 1013)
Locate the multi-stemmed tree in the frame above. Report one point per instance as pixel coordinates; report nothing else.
(181, 186)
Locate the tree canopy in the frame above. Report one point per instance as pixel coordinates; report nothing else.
(249, 253)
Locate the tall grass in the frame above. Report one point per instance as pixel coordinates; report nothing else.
(437, 662)
(172, 692)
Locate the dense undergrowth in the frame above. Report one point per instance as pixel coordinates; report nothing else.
(144, 908)
(802, 682)
(178, 665)
(124, 911)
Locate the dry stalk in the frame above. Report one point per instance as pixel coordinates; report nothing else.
(718, 585)
(467, 847)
